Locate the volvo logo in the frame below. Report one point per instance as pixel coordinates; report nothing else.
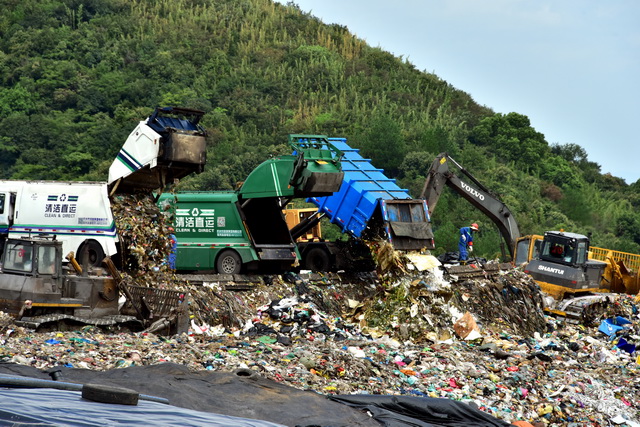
(472, 190)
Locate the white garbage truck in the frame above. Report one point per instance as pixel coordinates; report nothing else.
(76, 213)
(163, 148)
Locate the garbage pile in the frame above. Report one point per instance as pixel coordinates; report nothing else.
(486, 343)
(145, 241)
(563, 375)
(405, 331)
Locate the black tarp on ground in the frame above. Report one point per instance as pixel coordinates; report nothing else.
(48, 407)
(251, 397)
(403, 411)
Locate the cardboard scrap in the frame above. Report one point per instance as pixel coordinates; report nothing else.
(465, 326)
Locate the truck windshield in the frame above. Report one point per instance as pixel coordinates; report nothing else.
(19, 257)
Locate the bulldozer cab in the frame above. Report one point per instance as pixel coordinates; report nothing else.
(33, 256)
(565, 248)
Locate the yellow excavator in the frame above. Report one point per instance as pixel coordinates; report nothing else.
(571, 271)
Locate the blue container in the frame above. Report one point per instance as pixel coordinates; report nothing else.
(361, 193)
(611, 326)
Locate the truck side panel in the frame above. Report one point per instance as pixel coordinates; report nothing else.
(205, 224)
(72, 211)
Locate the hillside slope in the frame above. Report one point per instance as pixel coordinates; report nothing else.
(77, 75)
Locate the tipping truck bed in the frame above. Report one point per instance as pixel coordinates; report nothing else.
(371, 205)
(169, 145)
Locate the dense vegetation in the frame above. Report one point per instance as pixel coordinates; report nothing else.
(76, 76)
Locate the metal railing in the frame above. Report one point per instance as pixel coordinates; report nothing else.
(631, 261)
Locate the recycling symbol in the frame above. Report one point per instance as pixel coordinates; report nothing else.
(63, 197)
(195, 212)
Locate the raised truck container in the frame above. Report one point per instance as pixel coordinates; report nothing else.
(368, 206)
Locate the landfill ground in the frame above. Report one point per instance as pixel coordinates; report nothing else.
(485, 342)
(406, 330)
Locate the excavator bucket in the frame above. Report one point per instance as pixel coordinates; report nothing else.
(165, 147)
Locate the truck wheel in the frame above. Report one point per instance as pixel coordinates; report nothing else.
(317, 259)
(93, 253)
(229, 262)
(109, 394)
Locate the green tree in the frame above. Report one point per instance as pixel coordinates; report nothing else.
(513, 139)
(383, 143)
(628, 227)
(16, 99)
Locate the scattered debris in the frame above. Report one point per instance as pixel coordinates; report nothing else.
(407, 331)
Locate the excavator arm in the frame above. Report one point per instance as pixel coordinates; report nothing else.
(440, 174)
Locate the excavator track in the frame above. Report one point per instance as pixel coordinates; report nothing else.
(585, 309)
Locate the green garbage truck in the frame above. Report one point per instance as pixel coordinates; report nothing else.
(230, 232)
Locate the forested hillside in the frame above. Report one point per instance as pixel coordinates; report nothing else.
(76, 77)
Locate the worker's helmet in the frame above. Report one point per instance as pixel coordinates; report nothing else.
(170, 229)
(474, 226)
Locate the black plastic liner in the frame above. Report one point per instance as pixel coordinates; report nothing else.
(403, 411)
(49, 407)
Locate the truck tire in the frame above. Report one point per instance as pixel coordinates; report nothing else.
(109, 394)
(247, 373)
(229, 262)
(94, 253)
(317, 259)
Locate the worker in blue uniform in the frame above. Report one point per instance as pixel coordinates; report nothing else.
(465, 245)
(171, 258)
